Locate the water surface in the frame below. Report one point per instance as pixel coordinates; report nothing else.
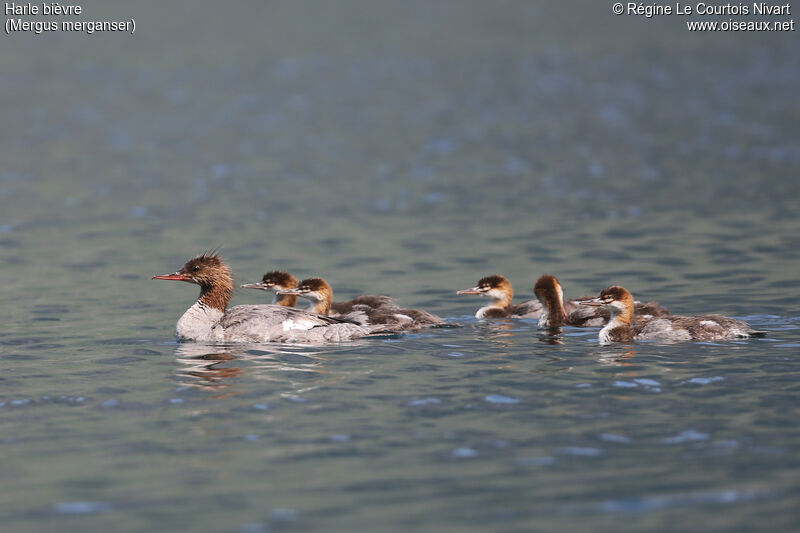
(406, 150)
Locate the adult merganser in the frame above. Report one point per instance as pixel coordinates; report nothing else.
(274, 281)
(210, 320)
(671, 328)
(498, 289)
(550, 294)
(365, 309)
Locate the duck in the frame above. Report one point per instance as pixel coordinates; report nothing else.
(274, 281)
(279, 280)
(210, 319)
(671, 328)
(365, 309)
(550, 295)
(500, 293)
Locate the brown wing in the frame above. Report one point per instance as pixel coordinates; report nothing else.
(587, 316)
(422, 318)
(371, 300)
(714, 327)
(407, 319)
(497, 313)
(622, 334)
(653, 309)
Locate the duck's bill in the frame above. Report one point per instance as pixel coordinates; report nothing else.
(594, 302)
(290, 291)
(175, 276)
(473, 290)
(258, 285)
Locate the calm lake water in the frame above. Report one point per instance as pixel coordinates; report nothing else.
(404, 148)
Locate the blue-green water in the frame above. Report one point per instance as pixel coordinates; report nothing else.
(408, 149)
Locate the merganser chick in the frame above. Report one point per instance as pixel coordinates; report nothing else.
(500, 293)
(366, 309)
(210, 320)
(316, 290)
(672, 328)
(274, 281)
(278, 280)
(498, 289)
(551, 295)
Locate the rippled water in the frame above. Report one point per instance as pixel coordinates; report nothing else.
(407, 149)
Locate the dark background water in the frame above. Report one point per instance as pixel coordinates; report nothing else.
(407, 148)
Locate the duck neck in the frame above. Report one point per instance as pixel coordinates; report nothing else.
(499, 299)
(320, 306)
(619, 319)
(553, 313)
(216, 295)
(286, 300)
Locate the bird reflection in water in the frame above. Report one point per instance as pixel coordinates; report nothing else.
(621, 356)
(205, 367)
(220, 368)
(502, 333)
(550, 336)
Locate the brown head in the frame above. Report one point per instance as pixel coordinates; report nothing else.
(549, 292)
(315, 289)
(616, 299)
(213, 276)
(496, 287)
(274, 281)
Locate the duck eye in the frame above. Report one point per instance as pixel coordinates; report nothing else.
(196, 269)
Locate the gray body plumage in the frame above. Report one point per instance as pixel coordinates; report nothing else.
(371, 309)
(698, 328)
(265, 323)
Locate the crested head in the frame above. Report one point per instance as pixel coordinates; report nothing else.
(212, 274)
(615, 292)
(315, 289)
(206, 269)
(496, 288)
(493, 282)
(616, 299)
(279, 279)
(276, 281)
